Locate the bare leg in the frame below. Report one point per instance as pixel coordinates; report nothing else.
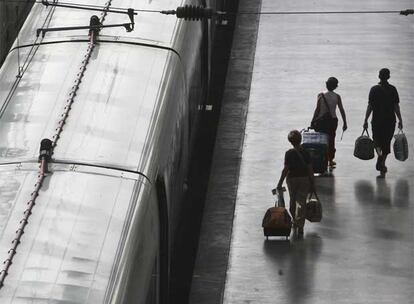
(380, 162)
(292, 202)
(384, 168)
(292, 209)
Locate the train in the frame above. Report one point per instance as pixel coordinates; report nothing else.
(100, 106)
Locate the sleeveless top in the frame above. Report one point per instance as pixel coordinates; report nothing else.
(332, 99)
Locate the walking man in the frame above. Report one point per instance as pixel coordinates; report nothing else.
(384, 105)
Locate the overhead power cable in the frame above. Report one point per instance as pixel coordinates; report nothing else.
(404, 12)
(168, 12)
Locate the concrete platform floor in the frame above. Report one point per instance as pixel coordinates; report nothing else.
(363, 250)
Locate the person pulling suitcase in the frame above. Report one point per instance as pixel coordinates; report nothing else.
(299, 178)
(325, 119)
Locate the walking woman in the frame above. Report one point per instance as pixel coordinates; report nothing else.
(326, 106)
(299, 178)
(383, 103)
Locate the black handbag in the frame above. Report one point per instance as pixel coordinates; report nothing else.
(364, 146)
(313, 208)
(325, 122)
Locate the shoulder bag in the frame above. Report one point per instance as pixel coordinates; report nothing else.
(324, 122)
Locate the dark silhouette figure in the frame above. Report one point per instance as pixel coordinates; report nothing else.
(383, 103)
(327, 102)
(299, 177)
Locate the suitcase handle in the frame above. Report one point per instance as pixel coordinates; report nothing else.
(280, 201)
(307, 129)
(311, 194)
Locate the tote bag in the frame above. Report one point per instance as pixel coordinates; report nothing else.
(313, 208)
(400, 146)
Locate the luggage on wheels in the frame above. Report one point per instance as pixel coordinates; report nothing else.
(316, 144)
(277, 220)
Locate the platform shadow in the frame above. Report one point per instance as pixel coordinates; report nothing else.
(382, 194)
(364, 192)
(295, 262)
(402, 193)
(326, 189)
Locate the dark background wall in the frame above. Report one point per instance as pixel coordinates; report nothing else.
(12, 16)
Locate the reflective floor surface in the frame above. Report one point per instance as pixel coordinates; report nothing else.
(363, 250)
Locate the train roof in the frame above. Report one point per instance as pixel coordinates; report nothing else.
(80, 222)
(76, 234)
(150, 25)
(114, 109)
(115, 105)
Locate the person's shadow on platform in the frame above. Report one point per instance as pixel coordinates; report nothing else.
(381, 196)
(364, 192)
(295, 261)
(382, 199)
(402, 193)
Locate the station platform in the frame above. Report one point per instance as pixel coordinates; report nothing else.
(363, 249)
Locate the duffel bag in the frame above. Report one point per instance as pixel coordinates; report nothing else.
(364, 146)
(400, 146)
(313, 208)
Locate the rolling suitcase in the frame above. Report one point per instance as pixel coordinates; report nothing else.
(277, 221)
(316, 144)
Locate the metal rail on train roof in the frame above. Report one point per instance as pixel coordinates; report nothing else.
(187, 12)
(128, 11)
(52, 162)
(95, 25)
(128, 26)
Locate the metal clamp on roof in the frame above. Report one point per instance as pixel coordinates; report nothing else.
(45, 154)
(94, 24)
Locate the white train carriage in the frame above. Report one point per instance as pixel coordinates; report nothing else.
(100, 224)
